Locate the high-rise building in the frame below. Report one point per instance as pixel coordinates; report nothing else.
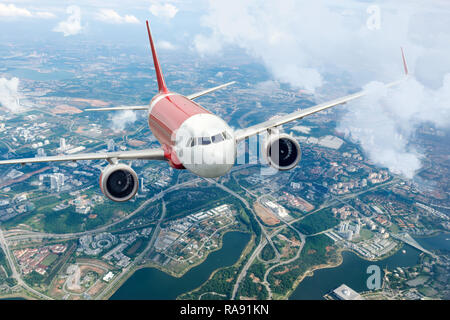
(62, 144)
(40, 153)
(357, 229)
(111, 145)
(143, 188)
(56, 181)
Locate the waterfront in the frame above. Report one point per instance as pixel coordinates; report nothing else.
(438, 242)
(353, 270)
(153, 284)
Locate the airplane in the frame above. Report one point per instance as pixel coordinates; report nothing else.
(193, 138)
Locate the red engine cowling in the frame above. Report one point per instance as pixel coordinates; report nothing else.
(119, 182)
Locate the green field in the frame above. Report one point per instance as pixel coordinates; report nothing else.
(317, 222)
(4, 263)
(191, 200)
(314, 253)
(365, 234)
(135, 248)
(267, 253)
(49, 259)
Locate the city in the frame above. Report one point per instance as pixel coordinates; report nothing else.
(62, 239)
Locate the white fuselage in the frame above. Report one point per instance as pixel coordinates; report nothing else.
(206, 146)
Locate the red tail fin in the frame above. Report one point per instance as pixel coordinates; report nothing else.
(159, 76)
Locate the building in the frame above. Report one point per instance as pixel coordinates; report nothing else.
(343, 292)
(62, 144)
(108, 276)
(57, 181)
(143, 188)
(41, 153)
(111, 145)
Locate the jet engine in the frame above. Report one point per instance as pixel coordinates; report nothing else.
(282, 151)
(119, 182)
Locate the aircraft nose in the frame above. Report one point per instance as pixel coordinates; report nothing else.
(213, 160)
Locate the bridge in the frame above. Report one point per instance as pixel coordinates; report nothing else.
(406, 238)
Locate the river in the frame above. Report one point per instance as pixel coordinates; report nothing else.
(151, 283)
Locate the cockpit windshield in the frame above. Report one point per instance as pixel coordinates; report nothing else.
(203, 141)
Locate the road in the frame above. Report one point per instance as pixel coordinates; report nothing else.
(138, 258)
(297, 255)
(15, 273)
(30, 235)
(302, 237)
(267, 238)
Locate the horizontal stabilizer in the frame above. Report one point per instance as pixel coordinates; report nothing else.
(118, 108)
(201, 93)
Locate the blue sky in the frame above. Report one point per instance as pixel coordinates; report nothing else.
(96, 20)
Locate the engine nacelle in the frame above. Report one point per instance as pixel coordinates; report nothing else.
(119, 182)
(282, 151)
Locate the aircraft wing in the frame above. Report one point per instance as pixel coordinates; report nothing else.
(202, 93)
(118, 108)
(241, 134)
(146, 154)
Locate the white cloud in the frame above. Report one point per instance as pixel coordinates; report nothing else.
(11, 11)
(111, 16)
(207, 45)
(166, 10)
(72, 25)
(385, 121)
(165, 45)
(122, 119)
(320, 45)
(9, 94)
(44, 15)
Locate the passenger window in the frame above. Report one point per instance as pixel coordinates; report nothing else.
(206, 141)
(217, 138)
(192, 142)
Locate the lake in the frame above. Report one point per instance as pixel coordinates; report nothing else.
(353, 270)
(153, 284)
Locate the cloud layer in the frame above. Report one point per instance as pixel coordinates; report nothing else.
(11, 11)
(166, 10)
(9, 93)
(320, 45)
(72, 25)
(111, 16)
(121, 119)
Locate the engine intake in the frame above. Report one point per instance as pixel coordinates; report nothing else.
(282, 151)
(119, 182)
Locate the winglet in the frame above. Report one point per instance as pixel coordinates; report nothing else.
(159, 75)
(405, 66)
